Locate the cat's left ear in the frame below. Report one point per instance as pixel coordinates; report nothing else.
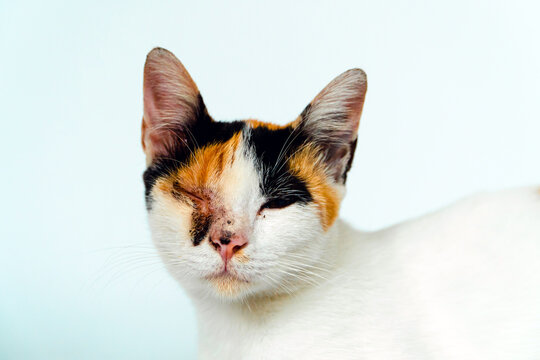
(331, 121)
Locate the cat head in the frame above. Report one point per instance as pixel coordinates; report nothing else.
(243, 208)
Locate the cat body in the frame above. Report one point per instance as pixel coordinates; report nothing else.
(461, 283)
(245, 216)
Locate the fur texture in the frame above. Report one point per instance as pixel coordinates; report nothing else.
(462, 283)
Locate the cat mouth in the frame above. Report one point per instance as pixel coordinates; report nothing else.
(225, 275)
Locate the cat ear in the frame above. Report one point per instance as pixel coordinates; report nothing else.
(172, 104)
(331, 121)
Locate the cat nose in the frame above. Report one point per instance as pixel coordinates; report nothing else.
(227, 245)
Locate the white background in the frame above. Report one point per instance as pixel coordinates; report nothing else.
(452, 109)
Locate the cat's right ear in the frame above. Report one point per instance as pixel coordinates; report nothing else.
(172, 104)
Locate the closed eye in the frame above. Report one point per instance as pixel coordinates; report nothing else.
(179, 191)
(278, 203)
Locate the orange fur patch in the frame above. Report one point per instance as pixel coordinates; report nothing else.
(270, 126)
(241, 257)
(204, 167)
(306, 164)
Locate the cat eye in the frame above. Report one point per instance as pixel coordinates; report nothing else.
(277, 203)
(179, 191)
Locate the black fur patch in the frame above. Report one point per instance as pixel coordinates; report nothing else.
(200, 225)
(272, 149)
(352, 149)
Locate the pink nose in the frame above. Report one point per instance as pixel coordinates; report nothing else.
(227, 245)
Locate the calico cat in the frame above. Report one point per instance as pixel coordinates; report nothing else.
(245, 216)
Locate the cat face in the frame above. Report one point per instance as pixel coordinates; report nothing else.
(242, 208)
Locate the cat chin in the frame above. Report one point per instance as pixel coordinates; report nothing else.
(228, 286)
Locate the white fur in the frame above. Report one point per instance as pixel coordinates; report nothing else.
(462, 283)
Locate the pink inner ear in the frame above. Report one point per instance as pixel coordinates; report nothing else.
(170, 103)
(156, 139)
(332, 119)
(335, 111)
(150, 111)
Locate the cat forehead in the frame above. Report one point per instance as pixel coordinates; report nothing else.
(247, 146)
(265, 140)
(214, 149)
(267, 143)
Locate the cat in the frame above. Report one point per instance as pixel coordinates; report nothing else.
(244, 215)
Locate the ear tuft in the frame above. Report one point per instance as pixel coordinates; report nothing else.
(172, 104)
(331, 120)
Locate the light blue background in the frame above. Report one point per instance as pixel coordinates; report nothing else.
(452, 108)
